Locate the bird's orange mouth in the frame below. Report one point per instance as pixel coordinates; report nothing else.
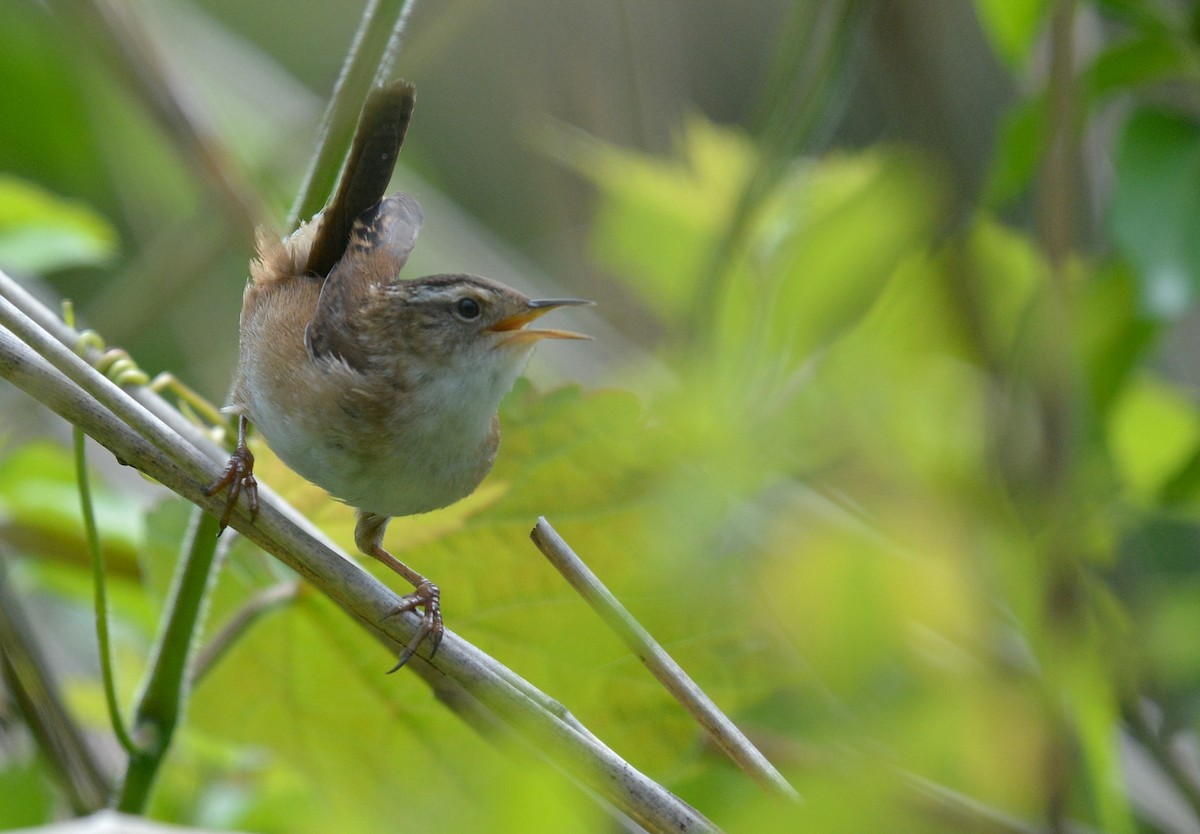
(515, 325)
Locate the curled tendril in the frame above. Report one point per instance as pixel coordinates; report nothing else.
(115, 363)
(120, 368)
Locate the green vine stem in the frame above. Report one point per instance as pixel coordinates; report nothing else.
(166, 686)
(100, 590)
(99, 571)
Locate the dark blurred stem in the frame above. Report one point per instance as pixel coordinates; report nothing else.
(122, 42)
(370, 59)
(810, 59)
(1065, 601)
(1057, 201)
(166, 687)
(27, 680)
(637, 109)
(1057, 193)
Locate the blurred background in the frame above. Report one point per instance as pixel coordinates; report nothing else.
(889, 432)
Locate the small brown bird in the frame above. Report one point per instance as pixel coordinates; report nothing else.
(382, 390)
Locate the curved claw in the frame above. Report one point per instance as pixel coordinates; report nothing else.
(238, 478)
(427, 596)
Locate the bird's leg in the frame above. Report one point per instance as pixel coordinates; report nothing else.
(238, 477)
(368, 535)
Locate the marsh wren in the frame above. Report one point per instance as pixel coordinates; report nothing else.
(382, 390)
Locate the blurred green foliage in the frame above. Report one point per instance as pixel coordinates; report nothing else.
(39, 233)
(1155, 208)
(1013, 27)
(914, 499)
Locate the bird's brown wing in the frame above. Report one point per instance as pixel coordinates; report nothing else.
(378, 247)
(363, 236)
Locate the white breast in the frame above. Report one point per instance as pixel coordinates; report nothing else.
(428, 454)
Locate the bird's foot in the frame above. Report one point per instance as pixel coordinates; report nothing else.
(237, 478)
(427, 597)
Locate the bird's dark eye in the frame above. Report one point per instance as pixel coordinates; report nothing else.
(467, 308)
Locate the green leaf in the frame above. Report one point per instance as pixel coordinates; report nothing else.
(39, 501)
(1138, 13)
(1156, 208)
(1147, 58)
(1012, 26)
(1153, 430)
(839, 231)
(1019, 146)
(659, 220)
(25, 788)
(41, 232)
(1115, 336)
(1171, 660)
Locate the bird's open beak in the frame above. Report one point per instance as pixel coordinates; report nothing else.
(515, 325)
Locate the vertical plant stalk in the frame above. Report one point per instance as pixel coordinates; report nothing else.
(1057, 198)
(164, 691)
(167, 683)
(370, 58)
(1061, 582)
(1068, 609)
(1056, 216)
